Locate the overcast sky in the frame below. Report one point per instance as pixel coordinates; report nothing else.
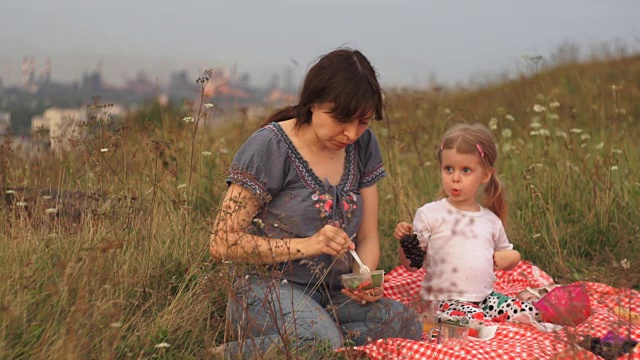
(406, 40)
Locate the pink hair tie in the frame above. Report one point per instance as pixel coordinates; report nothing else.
(480, 149)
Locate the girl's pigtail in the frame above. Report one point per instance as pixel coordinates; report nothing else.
(495, 199)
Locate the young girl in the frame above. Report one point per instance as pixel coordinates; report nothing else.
(465, 241)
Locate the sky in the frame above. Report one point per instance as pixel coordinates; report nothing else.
(408, 41)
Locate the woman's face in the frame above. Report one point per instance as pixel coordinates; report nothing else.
(334, 134)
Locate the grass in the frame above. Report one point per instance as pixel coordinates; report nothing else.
(103, 248)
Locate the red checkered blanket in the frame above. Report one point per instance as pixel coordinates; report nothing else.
(512, 340)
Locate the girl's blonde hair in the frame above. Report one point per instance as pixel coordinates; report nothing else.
(477, 139)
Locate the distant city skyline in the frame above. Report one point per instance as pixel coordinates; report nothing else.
(408, 41)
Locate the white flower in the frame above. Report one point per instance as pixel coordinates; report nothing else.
(625, 264)
(536, 235)
(576, 131)
(46, 197)
(616, 151)
(585, 137)
(539, 108)
(21, 203)
(51, 211)
(224, 151)
(509, 117)
(104, 149)
(553, 116)
(206, 153)
(493, 123)
(181, 186)
(187, 119)
(447, 111)
(10, 192)
(116, 324)
(506, 133)
(284, 282)
(554, 104)
(562, 134)
(162, 345)
(614, 168)
(208, 105)
(600, 145)
(535, 125)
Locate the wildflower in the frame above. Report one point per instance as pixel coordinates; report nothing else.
(224, 151)
(576, 131)
(258, 222)
(509, 117)
(284, 282)
(181, 186)
(21, 203)
(447, 111)
(206, 153)
(625, 264)
(493, 123)
(116, 324)
(616, 151)
(51, 211)
(539, 108)
(162, 345)
(600, 145)
(553, 116)
(506, 133)
(585, 137)
(10, 192)
(536, 235)
(614, 168)
(562, 134)
(46, 197)
(187, 119)
(208, 106)
(535, 124)
(554, 104)
(104, 149)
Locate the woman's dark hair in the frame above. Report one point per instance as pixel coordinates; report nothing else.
(344, 81)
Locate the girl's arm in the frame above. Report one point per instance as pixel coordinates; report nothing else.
(505, 259)
(368, 240)
(230, 241)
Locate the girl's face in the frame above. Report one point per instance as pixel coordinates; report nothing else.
(462, 175)
(333, 134)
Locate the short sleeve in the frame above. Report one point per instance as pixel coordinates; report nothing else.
(502, 242)
(370, 159)
(422, 227)
(259, 164)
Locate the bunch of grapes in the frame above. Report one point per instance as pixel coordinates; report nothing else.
(411, 247)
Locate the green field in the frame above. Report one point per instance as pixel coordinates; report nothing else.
(103, 248)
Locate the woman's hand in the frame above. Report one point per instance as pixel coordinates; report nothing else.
(402, 229)
(331, 240)
(363, 296)
(505, 259)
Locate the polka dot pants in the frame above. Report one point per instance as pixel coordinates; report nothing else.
(495, 307)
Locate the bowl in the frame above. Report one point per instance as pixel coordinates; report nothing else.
(356, 281)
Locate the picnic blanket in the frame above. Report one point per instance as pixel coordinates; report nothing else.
(513, 340)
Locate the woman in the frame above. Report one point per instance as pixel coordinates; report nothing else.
(302, 190)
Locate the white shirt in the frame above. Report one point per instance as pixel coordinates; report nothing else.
(460, 246)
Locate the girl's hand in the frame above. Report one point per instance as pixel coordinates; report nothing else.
(330, 240)
(402, 229)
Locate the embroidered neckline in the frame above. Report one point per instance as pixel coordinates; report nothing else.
(307, 174)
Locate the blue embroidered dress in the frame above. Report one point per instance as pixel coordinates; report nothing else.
(296, 203)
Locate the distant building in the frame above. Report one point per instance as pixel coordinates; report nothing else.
(5, 121)
(63, 124)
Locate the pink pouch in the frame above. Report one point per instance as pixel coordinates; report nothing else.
(565, 305)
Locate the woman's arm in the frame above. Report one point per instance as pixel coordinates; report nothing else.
(368, 240)
(230, 241)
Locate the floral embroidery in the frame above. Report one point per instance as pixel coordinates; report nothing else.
(325, 203)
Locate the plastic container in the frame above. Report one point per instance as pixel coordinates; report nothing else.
(356, 281)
